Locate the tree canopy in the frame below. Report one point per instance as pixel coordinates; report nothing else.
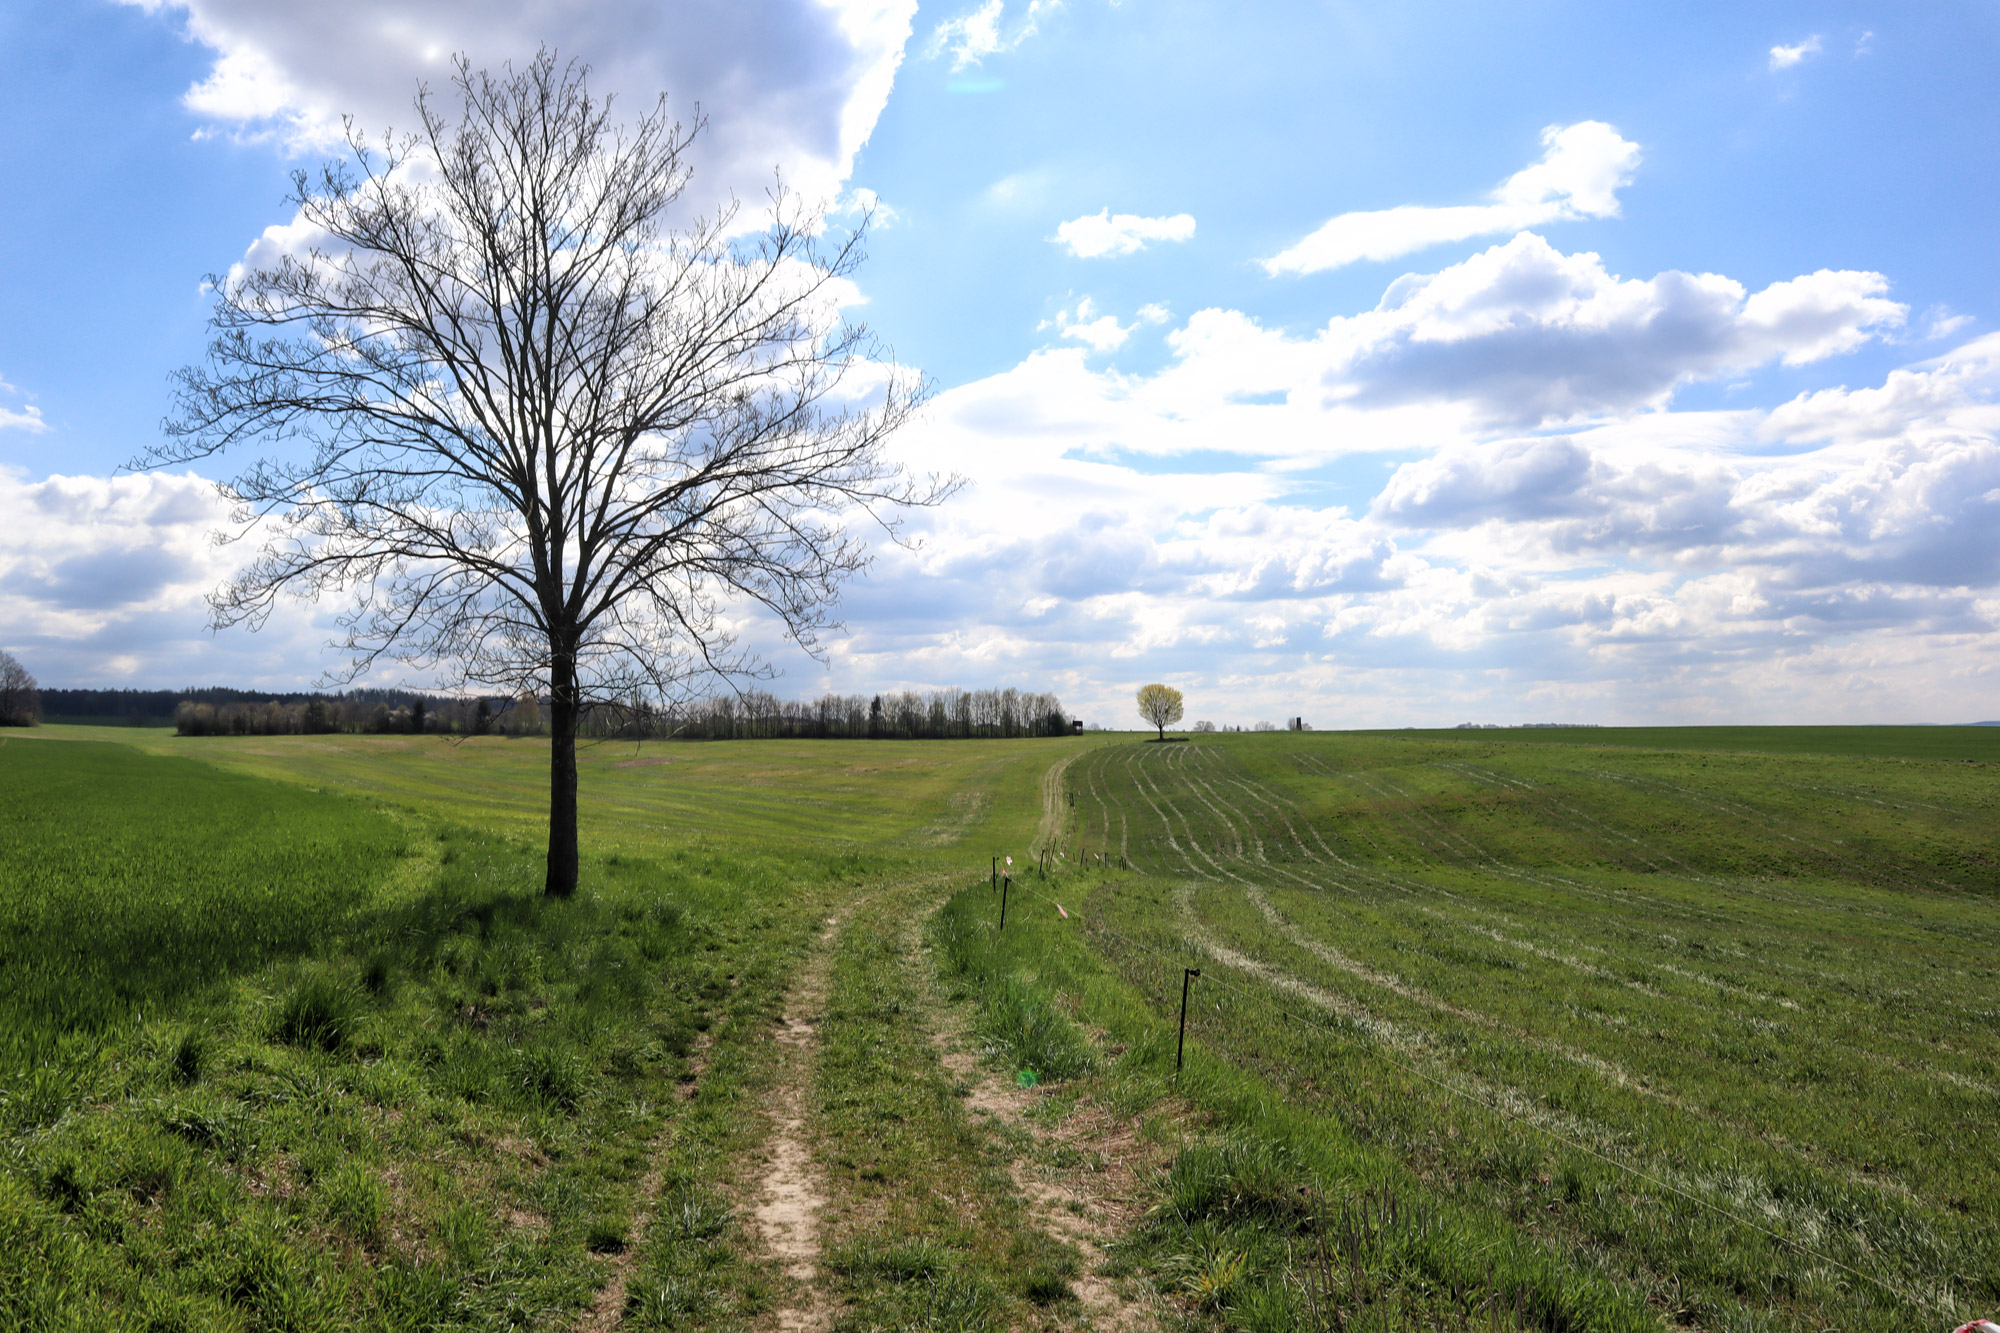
(1160, 705)
(538, 432)
(20, 701)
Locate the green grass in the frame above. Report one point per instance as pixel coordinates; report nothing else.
(292, 1040)
(1521, 1030)
(1978, 744)
(1606, 1001)
(134, 881)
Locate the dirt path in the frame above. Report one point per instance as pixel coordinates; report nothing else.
(1087, 1208)
(790, 1193)
(1055, 806)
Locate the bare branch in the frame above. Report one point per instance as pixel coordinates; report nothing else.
(529, 433)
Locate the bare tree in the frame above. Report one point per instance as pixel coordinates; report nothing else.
(540, 433)
(1160, 705)
(20, 700)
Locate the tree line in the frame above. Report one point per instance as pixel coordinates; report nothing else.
(156, 707)
(382, 712)
(948, 714)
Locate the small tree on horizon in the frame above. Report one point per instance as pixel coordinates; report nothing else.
(1160, 705)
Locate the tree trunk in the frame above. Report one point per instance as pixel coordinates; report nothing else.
(562, 778)
(1163, 731)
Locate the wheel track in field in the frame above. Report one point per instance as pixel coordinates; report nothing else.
(1873, 864)
(1413, 993)
(1094, 762)
(1048, 833)
(1415, 1045)
(1407, 990)
(1610, 1070)
(1569, 816)
(1403, 890)
(1359, 1012)
(1626, 896)
(792, 1188)
(1917, 1067)
(1586, 825)
(1914, 1066)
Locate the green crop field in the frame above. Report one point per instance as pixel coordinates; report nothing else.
(1716, 1033)
(1536, 1030)
(1980, 744)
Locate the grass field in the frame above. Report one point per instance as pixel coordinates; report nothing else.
(1539, 1030)
(1715, 1029)
(1979, 744)
(291, 1040)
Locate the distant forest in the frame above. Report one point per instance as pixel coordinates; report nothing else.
(156, 708)
(904, 715)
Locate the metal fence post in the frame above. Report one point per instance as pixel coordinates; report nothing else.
(1187, 974)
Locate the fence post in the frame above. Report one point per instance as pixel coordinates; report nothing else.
(993, 874)
(1006, 882)
(1187, 974)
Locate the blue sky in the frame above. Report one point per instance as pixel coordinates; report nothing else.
(1661, 395)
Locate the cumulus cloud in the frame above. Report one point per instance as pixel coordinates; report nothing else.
(25, 417)
(1524, 333)
(75, 547)
(1475, 499)
(1582, 168)
(979, 33)
(103, 582)
(1101, 234)
(1640, 563)
(1102, 333)
(1785, 57)
(795, 85)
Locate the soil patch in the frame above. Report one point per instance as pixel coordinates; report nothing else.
(790, 1191)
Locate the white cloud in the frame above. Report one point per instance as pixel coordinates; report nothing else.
(103, 582)
(1784, 57)
(978, 33)
(26, 417)
(1524, 333)
(1101, 234)
(1579, 175)
(1473, 500)
(789, 84)
(1102, 332)
(1941, 323)
(1645, 565)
